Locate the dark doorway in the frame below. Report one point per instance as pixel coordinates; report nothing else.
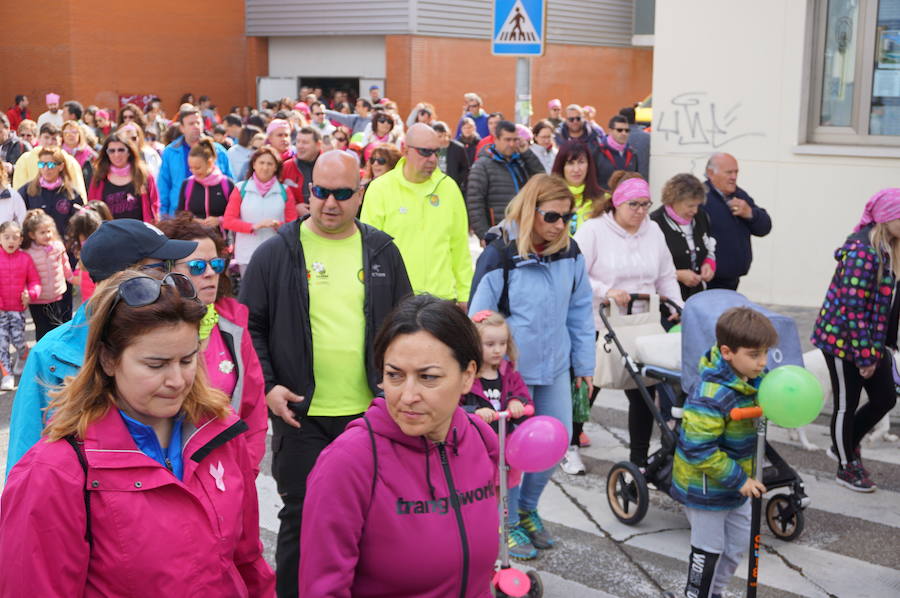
(330, 85)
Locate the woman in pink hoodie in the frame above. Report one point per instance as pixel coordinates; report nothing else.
(625, 252)
(404, 503)
(142, 485)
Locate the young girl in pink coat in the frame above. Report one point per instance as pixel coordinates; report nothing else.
(41, 241)
(19, 285)
(142, 485)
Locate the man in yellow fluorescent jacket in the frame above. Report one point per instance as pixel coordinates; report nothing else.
(423, 210)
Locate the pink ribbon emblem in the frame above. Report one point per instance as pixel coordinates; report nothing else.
(218, 474)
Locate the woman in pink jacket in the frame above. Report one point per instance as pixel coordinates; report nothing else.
(142, 485)
(625, 252)
(404, 502)
(225, 344)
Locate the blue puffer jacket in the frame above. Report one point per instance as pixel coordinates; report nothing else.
(58, 354)
(174, 170)
(549, 304)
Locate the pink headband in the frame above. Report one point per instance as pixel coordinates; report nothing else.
(52, 98)
(630, 189)
(884, 206)
(277, 124)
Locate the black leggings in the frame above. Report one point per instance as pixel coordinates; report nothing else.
(849, 422)
(47, 316)
(578, 427)
(640, 424)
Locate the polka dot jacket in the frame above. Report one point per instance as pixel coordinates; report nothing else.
(853, 322)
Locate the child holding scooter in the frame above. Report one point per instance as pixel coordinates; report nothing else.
(713, 468)
(499, 387)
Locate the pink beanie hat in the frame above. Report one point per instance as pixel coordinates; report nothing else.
(882, 207)
(103, 114)
(52, 98)
(554, 103)
(523, 132)
(276, 124)
(302, 107)
(630, 189)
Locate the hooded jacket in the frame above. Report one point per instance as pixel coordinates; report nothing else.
(52, 265)
(853, 322)
(616, 259)
(493, 181)
(275, 290)
(549, 303)
(714, 456)
(404, 517)
(17, 274)
(152, 534)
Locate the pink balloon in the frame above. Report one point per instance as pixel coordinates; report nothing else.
(537, 444)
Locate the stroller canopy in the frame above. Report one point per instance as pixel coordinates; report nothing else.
(698, 332)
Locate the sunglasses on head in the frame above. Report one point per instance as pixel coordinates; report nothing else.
(551, 217)
(47, 164)
(340, 194)
(377, 160)
(198, 267)
(574, 119)
(145, 290)
(425, 152)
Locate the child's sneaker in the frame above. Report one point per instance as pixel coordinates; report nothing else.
(584, 440)
(540, 537)
(19, 367)
(8, 383)
(571, 463)
(854, 477)
(520, 546)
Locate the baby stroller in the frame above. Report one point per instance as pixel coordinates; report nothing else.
(627, 486)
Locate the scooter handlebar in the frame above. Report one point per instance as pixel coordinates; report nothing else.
(529, 410)
(746, 413)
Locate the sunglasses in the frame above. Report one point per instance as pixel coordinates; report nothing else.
(340, 194)
(425, 152)
(639, 205)
(621, 130)
(377, 160)
(384, 120)
(48, 164)
(141, 291)
(551, 217)
(318, 114)
(341, 139)
(116, 150)
(574, 119)
(198, 267)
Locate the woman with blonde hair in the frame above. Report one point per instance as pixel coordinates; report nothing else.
(52, 189)
(142, 483)
(75, 143)
(534, 275)
(135, 134)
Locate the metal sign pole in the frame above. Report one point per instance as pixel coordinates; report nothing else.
(523, 90)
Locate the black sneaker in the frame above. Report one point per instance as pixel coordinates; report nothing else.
(853, 476)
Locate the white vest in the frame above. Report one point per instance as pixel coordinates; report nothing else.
(256, 207)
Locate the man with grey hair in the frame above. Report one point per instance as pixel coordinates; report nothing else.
(317, 293)
(575, 127)
(474, 109)
(733, 217)
(452, 157)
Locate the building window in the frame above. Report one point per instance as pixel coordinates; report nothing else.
(855, 88)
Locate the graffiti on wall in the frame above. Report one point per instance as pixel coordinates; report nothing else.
(693, 119)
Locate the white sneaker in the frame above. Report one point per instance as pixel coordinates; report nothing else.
(571, 463)
(19, 366)
(8, 382)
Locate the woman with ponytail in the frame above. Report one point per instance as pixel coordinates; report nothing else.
(122, 181)
(205, 193)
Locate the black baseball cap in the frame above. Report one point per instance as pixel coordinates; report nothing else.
(118, 244)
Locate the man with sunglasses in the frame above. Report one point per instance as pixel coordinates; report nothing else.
(575, 127)
(319, 122)
(358, 122)
(317, 293)
(297, 172)
(27, 165)
(496, 177)
(117, 245)
(474, 109)
(615, 153)
(423, 210)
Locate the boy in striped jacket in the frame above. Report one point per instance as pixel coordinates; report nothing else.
(712, 473)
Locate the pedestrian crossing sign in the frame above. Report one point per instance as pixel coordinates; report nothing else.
(519, 27)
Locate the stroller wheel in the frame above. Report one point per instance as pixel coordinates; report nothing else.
(784, 518)
(537, 586)
(626, 491)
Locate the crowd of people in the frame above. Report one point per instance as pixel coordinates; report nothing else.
(345, 233)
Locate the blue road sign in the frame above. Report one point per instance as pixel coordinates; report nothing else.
(519, 27)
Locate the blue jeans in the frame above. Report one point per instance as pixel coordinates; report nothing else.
(554, 400)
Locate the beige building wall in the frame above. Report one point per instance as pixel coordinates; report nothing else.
(732, 76)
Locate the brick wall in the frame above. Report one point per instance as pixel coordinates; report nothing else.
(440, 70)
(93, 53)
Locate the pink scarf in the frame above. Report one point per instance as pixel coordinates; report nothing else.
(120, 171)
(52, 186)
(630, 189)
(70, 150)
(214, 177)
(614, 144)
(263, 187)
(674, 216)
(882, 207)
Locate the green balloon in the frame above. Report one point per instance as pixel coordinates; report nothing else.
(675, 328)
(790, 396)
